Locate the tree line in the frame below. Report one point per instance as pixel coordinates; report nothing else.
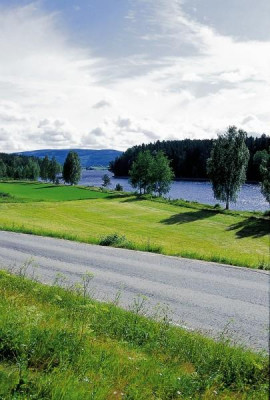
(189, 157)
(226, 168)
(20, 167)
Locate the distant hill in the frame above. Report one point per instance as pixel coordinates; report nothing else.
(89, 158)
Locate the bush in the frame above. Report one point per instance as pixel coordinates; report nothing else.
(4, 195)
(113, 240)
(119, 188)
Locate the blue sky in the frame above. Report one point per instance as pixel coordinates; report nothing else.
(114, 73)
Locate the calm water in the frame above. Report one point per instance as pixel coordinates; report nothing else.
(250, 197)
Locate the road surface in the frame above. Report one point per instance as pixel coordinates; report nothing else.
(204, 296)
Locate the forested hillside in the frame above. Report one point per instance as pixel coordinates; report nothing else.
(88, 157)
(188, 157)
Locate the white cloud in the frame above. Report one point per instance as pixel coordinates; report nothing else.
(123, 123)
(102, 104)
(196, 83)
(55, 132)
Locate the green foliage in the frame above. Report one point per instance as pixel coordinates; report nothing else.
(227, 164)
(188, 157)
(151, 173)
(19, 167)
(57, 344)
(3, 169)
(54, 170)
(72, 168)
(265, 175)
(5, 195)
(141, 172)
(44, 168)
(32, 170)
(106, 180)
(119, 188)
(259, 156)
(162, 175)
(114, 240)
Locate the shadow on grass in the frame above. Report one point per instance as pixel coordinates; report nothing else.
(49, 187)
(21, 183)
(191, 216)
(251, 227)
(124, 196)
(132, 199)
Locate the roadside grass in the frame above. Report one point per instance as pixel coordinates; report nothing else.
(60, 344)
(174, 228)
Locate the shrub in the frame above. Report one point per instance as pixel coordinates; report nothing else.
(4, 195)
(113, 240)
(119, 188)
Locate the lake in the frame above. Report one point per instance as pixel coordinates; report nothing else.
(249, 199)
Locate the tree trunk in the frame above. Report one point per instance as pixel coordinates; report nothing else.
(227, 203)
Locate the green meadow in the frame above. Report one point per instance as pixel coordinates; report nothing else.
(58, 344)
(176, 228)
(28, 192)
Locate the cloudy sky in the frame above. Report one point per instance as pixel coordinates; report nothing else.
(114, 73)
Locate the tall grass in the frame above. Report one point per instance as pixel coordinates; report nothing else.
(59, 344)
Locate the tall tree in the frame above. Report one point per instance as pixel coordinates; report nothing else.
(265, 175)
(227, 164)
(106, 180)
(53, 170)
(3, 169)
(44, 168)
(72, 168)
(162, 174)
(141, 172)
(31, 171)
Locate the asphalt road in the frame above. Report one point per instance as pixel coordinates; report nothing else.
(209, 297)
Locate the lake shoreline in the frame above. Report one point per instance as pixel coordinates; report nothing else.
(184, 179)
(199, 190)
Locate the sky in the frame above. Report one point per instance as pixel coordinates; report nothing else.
(115, 73)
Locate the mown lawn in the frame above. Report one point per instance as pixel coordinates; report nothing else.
(234, 238)
(34, 191)
(59, 344)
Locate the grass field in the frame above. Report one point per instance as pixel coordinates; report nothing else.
(186, 230)
(28, 192)
(58, 344)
